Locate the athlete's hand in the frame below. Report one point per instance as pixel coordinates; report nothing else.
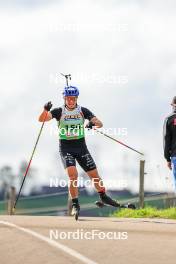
(48, 106)
(169, 165)
(90, 125)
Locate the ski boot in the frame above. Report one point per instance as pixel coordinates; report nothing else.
(75, 210)
(106, 200)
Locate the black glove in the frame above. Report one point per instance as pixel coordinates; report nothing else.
(48, 106)
(90, 125)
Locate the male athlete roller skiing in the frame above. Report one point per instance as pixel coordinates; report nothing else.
(72, 145)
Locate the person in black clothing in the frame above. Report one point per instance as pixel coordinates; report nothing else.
(169, 133)
(72, 146)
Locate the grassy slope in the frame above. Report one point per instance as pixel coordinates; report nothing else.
(148, 212)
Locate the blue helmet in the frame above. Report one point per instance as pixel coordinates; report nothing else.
(70, 91)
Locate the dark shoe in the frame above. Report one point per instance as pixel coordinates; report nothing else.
(108, 200)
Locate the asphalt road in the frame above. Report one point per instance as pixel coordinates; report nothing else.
(51, 240)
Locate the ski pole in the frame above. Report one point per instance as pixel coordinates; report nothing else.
(117, 141)
(67, 77)
(27, 169)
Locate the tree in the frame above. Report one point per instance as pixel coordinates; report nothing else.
(7, 180)
(30, 177)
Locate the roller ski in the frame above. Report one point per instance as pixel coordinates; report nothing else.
(75, 210)
(105, 200)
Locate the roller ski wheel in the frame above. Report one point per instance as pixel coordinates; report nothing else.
(128, 206)
(75, 211)
(100, 204)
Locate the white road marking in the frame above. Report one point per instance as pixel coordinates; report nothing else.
(52, 243)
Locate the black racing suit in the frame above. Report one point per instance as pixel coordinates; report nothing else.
(76, 149)
(169, 136)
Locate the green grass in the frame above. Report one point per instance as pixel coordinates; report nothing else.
(148, 212)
